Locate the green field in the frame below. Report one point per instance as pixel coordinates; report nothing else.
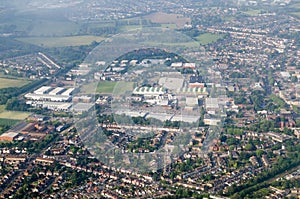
(62, 41)
(121, 87)
(207, 38)
(169, 25)
(7, 82)
(7, 122)
(14, 115)
(107, 87)
(131, 27)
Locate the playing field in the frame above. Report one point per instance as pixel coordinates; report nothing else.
(62, 41)
(7, 82)
(208, 38)
(107, 87)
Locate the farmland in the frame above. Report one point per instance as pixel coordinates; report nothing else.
(7, 122)
(9, 82)
(164, 18)
(14, 115)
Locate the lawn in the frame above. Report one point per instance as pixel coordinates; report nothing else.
(7, 82)
(62, 41)
(208, 38)
(14, 115)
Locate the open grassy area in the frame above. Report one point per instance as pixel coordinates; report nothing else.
(106, 87)
(62, 41)
(7, 122)
(123, 87)
(7, 82)
(88, 88)
(253, 12)
(14, 115)
(2, 108)
(130, 27)
(168, 25)
(207, 38)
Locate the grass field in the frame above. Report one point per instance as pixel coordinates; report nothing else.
(207, 38)
(168, 25)
(2, 108)
(123, 87)
(131, 27)
(14, 115)
(107, 87)
(88, 88)
(8, 122)
(7, 82)
(62, 41)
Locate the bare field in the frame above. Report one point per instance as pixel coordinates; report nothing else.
(164, 18)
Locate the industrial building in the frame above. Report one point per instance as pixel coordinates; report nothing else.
(193, 91)
(51, 94)
(9, 136)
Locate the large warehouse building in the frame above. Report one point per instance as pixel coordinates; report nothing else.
(47, 93)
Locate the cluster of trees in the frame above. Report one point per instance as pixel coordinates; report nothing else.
(141, 143)
(12, 48)
(14, 104)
